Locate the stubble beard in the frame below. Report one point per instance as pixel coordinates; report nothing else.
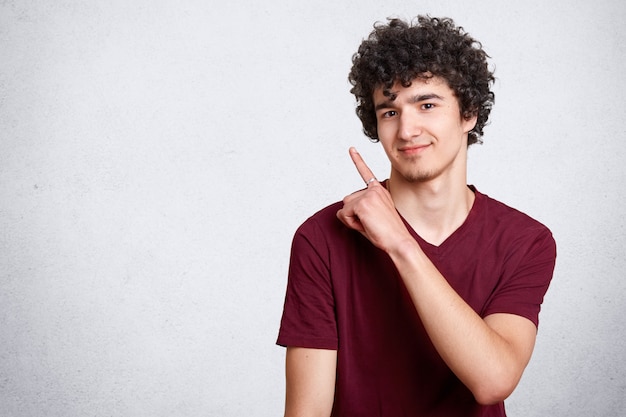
(416, 174)
(419, 176)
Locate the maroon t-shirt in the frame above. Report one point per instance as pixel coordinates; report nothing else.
(343, 293)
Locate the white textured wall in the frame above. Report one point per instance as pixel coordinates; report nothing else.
(156, 158)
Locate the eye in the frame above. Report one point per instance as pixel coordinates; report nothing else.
(388, 114)
(428, 106)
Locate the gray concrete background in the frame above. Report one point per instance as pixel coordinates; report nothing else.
(156, 158)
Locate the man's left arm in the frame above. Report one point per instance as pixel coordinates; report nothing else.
(488, 355)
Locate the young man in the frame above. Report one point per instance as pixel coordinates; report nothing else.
(418, 295)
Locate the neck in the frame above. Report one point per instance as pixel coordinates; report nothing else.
(435, 208)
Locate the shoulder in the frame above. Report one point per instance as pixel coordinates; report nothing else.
(321, 229)
(326, 235)
(498, 212)
(500, 219)
(322, 221)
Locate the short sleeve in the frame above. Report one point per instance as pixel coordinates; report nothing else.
(308, 318)
(526, 275)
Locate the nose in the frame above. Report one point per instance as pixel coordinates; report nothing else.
(410, 126)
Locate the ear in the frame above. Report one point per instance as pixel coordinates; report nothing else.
(469, 123)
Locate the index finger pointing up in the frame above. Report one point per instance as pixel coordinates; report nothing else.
(365, 172)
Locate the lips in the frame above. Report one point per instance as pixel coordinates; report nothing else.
(413, 149)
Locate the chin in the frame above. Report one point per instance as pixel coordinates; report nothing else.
(419, 177)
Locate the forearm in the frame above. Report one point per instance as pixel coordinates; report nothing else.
(485, 361)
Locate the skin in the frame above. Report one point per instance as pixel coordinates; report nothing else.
(425, 139)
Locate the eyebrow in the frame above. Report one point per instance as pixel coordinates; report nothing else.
(415, 99)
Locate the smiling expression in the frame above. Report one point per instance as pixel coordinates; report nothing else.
(421, 129)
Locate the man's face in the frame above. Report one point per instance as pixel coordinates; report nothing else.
(422, 130)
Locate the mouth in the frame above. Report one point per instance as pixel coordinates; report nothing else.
(413, 149)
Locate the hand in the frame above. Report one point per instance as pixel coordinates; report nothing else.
(371, 211)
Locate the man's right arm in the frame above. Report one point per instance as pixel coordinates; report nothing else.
(310, 375)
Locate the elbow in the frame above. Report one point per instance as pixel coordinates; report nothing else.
(491, 396)
(495, 390)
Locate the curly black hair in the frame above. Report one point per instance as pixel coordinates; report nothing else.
(431, 47)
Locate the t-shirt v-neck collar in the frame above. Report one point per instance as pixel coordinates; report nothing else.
(456, 235)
